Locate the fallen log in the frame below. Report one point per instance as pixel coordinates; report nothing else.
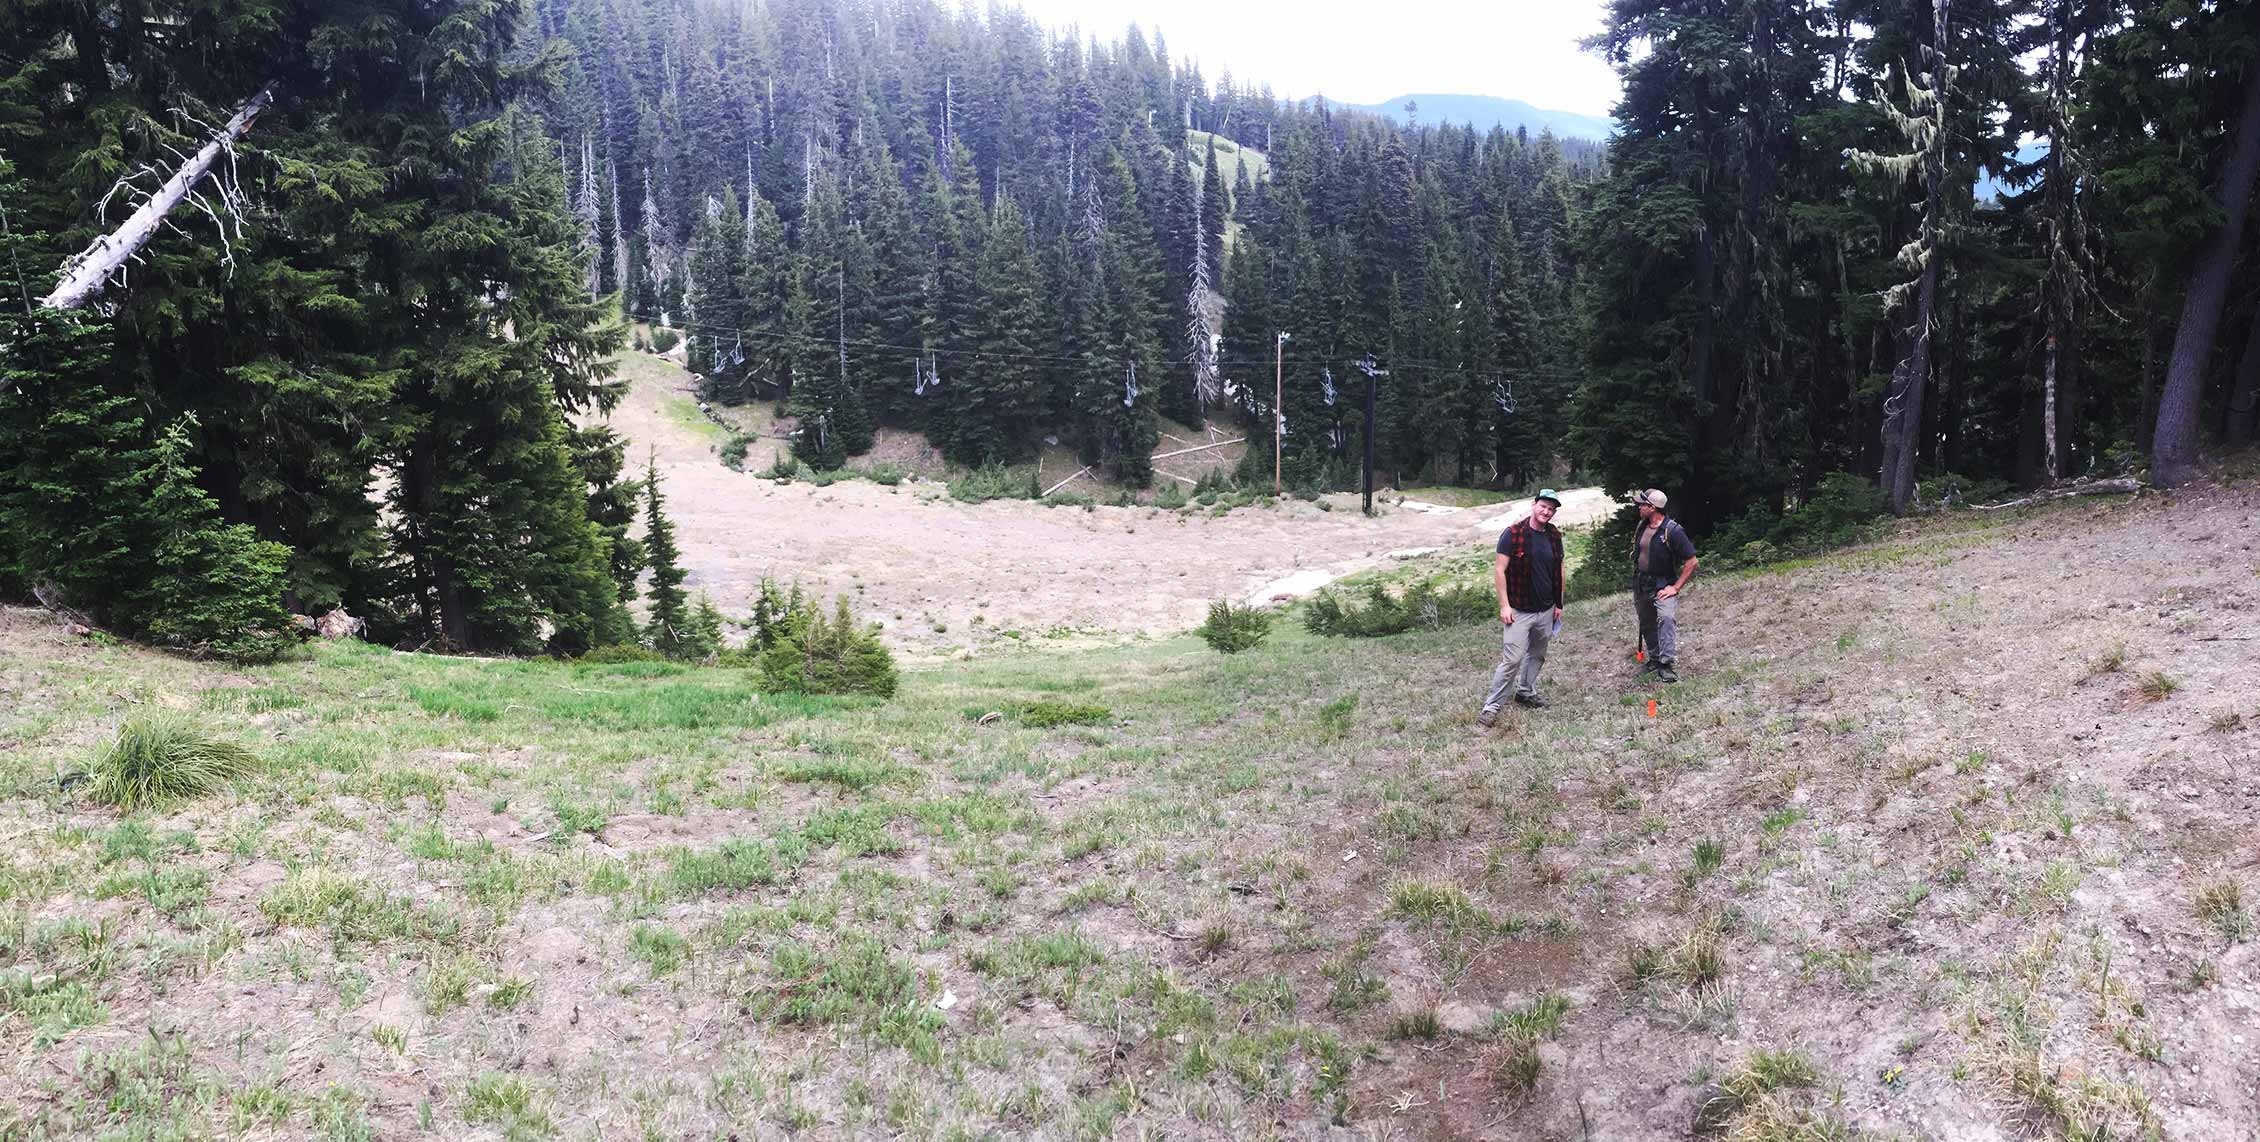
(84, 274)
(1199, 448)
(2121, 487)
(1065, 482)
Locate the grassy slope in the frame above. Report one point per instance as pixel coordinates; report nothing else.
(1873, 830)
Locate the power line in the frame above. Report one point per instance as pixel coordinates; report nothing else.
(932, 350)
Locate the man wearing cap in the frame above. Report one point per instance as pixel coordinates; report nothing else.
(1528, 576)
(1663, 560)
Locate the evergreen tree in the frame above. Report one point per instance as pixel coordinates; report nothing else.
(667, 628)
(1213, 210)
(997, 397)
(718, 303)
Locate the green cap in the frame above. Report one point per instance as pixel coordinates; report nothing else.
(1551, 496)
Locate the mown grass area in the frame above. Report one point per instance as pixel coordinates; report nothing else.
(1163, 892)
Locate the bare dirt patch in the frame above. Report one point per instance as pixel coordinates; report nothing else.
(940, 573)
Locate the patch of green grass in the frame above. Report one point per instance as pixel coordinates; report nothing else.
(1045, 713)
(349, 909)
(854, 774)
(1438, 902)
(735, 864)
(1768, 1097)
(51, 1006)
(161, 759)
(663, 948)
(509, 1104)
(618, 697)
(861, 985)
(174, 892)
(1513, 1063)
(2157, 686)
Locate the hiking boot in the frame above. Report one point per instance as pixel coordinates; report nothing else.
(1534, 701)
(1488, 718)
(1665, 672)
(1649, 667)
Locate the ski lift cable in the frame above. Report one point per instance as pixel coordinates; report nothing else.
(852, 343)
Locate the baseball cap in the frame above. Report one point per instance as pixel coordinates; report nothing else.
(1550, 495)
(1653, 497)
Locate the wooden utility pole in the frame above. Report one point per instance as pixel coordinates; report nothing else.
(1372, 370)
(1278, 406)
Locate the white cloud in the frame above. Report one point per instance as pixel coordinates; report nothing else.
(1373, 50)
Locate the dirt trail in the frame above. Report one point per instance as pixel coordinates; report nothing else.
(938, 572)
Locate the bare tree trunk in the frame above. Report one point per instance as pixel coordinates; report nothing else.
(2237, 427)
(2174, 460)
(2146, 406)
(1903, 400)
(84, 274)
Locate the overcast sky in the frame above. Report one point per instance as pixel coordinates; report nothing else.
(1372, 50)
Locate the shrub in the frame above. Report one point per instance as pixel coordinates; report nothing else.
(1607, 566)
(778, 615)
(830, 656)
(734, 450)
(883, 473)
(784, 470)
(664, 339)
(161, 759)
(1840, 512)
(994, 482)
(1231, 629)
(1423, 606)
(1171, 495)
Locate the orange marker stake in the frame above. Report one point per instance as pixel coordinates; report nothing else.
(1640, 654)
(1651, 707)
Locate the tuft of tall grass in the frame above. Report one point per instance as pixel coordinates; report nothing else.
(164, 758)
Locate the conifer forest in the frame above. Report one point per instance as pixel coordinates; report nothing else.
(1946, 247)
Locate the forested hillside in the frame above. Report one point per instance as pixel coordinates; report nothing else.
(1787, 272)
(347, 367)
(974, 227)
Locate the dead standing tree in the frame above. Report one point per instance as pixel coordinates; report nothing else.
(1925, 126)
(86, 273)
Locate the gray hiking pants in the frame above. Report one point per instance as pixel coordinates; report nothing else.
(1659, 624)
(1522, 655)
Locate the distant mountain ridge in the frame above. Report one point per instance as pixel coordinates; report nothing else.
(1485, 111)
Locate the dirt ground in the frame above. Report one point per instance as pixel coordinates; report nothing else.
(1961, 821)
(939, 573)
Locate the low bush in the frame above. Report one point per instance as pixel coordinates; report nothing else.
(779, 615)
(161, 759)
(1231, 629)
(664, 339)
(1844, 510)
(995, 482)
(830, 655)
(735, 448)
(1422, 606)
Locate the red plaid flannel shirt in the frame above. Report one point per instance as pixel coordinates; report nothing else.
(1518, 565)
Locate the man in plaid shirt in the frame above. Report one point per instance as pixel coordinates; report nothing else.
(1528, 576)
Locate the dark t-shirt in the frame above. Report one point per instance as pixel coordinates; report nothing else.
(1544, 591)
